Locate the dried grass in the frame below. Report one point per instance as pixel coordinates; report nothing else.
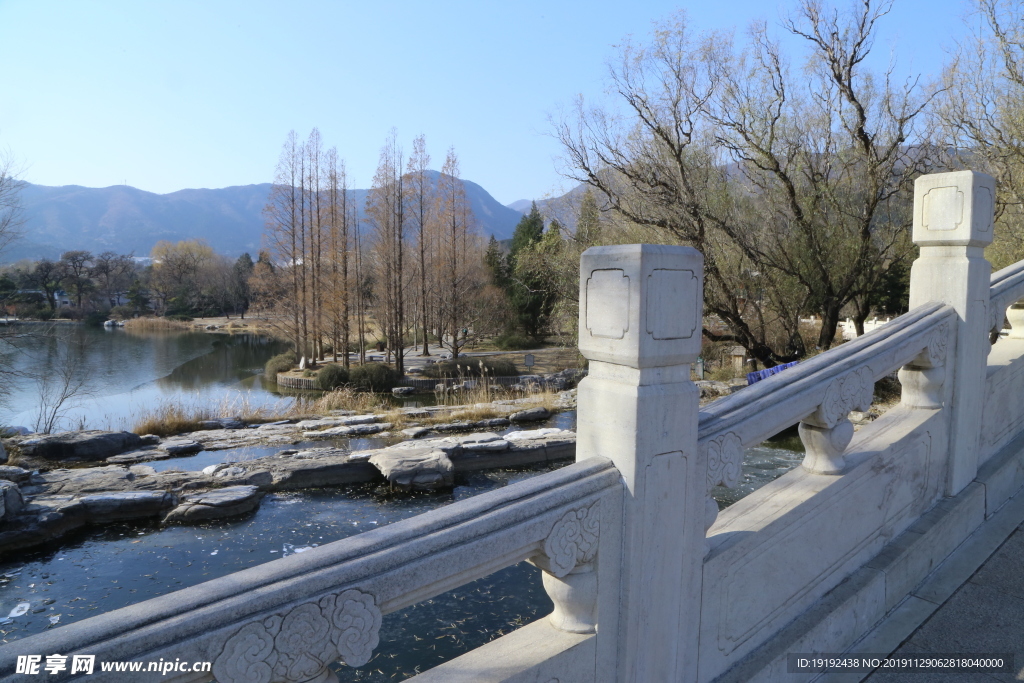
(347, 398)
(170, 417)
(153, 323)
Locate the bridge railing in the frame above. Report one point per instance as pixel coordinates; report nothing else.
(287, 620)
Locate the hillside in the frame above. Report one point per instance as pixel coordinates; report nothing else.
(125, 219)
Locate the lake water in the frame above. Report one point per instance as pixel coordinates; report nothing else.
(127, 372)
(100, 569)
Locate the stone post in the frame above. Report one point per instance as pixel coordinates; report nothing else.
(952, 225)
(640, 328)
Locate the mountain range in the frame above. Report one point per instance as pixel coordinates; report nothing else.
(125, 219)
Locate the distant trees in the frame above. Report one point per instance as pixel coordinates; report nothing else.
(76, 267)
(406, 265)
(113, 275)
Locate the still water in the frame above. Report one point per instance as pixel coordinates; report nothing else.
(101, 569)
(124, 373)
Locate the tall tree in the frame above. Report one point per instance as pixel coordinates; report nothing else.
(525, 286)
(459, 258)
(385, 210)
(282, 233)
(419, 190)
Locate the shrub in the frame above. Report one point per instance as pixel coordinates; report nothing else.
(122, 312)
(471, 367)
(307, 373)
(95, 319)
(282, 362)
(512, 341)
(179, 318)
(373, 377)
(332, 377)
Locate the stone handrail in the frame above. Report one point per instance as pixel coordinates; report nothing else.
(1006, 289)
(288, 619)
(820, 393)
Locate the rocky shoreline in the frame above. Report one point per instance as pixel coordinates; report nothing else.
(43, 498)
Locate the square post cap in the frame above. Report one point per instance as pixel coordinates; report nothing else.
(641, 304)
(954, 209)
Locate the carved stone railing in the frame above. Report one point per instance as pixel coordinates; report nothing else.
(287, 620)
(820, 393)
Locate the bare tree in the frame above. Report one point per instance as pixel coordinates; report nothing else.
(460, 257)
(61, 383)
(419, 186)
(113, 274)
(385, 209)
(11, 208)
(982, 113)
(282, 235)
(795, 187)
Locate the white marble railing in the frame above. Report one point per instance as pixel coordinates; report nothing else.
(288, 619)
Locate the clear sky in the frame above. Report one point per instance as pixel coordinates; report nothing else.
(172, 95)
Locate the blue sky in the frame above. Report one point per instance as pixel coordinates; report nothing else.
(169, 95)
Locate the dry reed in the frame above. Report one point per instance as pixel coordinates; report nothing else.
(153, 323)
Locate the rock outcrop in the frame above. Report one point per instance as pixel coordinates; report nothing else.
(415, 469)
(217, 504)
(89, 445)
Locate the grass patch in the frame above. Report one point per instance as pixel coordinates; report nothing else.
(153, 323)
(170, 417)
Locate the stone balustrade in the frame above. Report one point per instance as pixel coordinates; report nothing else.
(650, 581)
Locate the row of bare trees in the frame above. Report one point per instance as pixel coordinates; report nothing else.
(402, 265)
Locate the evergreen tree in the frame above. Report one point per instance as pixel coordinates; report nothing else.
(528, 232)
(526, 291)
(242, 273)
(588, 221)
(495, 263)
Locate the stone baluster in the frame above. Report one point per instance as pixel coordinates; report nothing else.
(953, 215)
(640, 328)
(1015, 315)
(827, 431)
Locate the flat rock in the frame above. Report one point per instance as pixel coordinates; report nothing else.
(15, 474)
(425, 469)
(493, 422)
(120, 505)
(222, 423)
(218, 504)
(415, 432)
(346, 430)
(83, 445)
(531, 434)
(530, 415)
(178, 447)
(149, 439)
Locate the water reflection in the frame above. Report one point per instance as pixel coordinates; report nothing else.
(126, 372)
